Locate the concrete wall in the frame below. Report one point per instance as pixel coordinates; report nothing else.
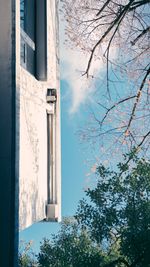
(23, 132)
(32, 131)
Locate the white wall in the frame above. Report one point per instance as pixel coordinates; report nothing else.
(32, 131)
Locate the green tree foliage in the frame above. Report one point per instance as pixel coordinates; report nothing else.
(111, 227)
(71, 247)
(117, 212)
(26, 257)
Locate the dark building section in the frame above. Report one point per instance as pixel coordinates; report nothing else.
(33, 37)
(8, 179)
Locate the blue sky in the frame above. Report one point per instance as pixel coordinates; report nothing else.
(74, 169)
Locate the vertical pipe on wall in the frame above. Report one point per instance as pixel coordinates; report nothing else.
(51, 187)
(52, 205)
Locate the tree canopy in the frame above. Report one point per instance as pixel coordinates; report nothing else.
(111, 227)
(70, 248)
(118, 212)
(116, 32)
(27, 257)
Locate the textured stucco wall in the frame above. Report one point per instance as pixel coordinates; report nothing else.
(33, 149)
(32, 131)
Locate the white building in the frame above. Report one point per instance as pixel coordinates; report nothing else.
(38, 112)
(30, 149)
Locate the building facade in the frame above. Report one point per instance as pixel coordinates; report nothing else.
(30, 149)
(38, 112)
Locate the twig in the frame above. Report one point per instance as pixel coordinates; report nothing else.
(116, 104)
(118, 20)
(140, 35)
(137, 100)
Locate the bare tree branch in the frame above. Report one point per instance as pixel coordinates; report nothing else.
(103, 7)
(115, 105)
(116, 21)
(137, 100)
(138, 4)
(144, 137)
(140, 35)
(123, 26)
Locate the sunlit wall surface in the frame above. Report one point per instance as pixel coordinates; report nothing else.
(38, 112)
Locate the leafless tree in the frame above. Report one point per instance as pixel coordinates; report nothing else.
(117, 32)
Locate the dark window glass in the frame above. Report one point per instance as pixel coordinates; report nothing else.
(22, 14)
(27, 23)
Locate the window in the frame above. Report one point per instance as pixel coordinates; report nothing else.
(33, 37)
(27, 23)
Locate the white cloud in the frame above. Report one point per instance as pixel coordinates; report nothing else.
(73, 65)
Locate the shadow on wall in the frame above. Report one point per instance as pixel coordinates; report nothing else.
(29, 206)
